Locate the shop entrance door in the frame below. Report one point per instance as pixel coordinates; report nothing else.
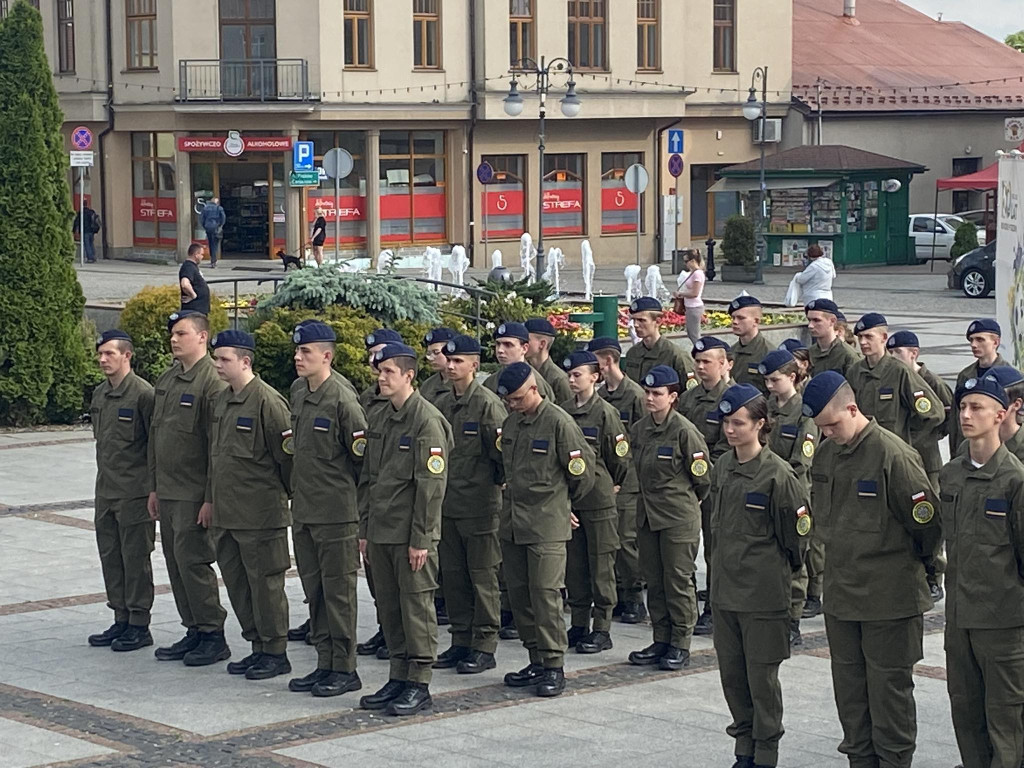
(244, 196)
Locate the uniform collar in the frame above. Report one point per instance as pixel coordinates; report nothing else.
(531, 418)
(585, 408)
(717, 390)
(870, 429)
(249, 388)
(749, 468)
(879, 368)
(121, 388)
(991, 467)
(753, 339)
(315, 396)
(659, 428)
(792, 407)
(466, 396)
(192, 372)
(407, 407)
(1014, 443)
(654, 346)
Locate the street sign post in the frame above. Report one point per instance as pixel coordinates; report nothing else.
(637, 180)
(338, 164)
(302, 156)
(485, 174)
(675, 141)
(304, 179)
(81, 138)
(675, 169)
(81, 159)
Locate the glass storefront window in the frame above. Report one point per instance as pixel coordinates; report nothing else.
(154, 181)
(413, 203)
(564, 201)
(618, 204)
(351, 201)
(505, 197)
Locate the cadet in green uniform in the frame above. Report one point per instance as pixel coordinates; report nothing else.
(793, 437)
(875, 510)
(626, 396)
(328, 442)
(982, 497)
(538, 354)
(548, 467)
(590, 555)
(373, 401)
(249, 486)
(511, 344)
(1010, 432)
(759, 514)
(403, 483)
(984, 336)
(904, 346)
(437, 385)
(802, 355)
(750, 348)
(829, 352)
(672, 463)
(179, 456)
(652, 349)
(121, 412)
(700, 405)
(469, 551)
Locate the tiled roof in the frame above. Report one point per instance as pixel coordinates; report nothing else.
(890, 57)
(826, 157)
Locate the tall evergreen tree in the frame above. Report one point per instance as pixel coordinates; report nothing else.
(43, 363)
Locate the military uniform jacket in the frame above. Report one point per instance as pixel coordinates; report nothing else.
(972, 371)
(628, 400)
(404, 475)
(372, 401)
(121, 420)
(328, 440)
(982, 512)
(179, 439)
(556, 379)
(794, 437)
(639, 360)
(250, 470)
(897, 397)
(672, 463)
(838, 357)
(927, 444)
(299, 385)
(491, 382)
(875, 511)
(746, 358)
(433, 388)
(476, 472)
(548, 467)
(700, 406)
(758, 509)
(603, 430)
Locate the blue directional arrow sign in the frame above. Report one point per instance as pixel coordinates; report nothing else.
(675, 141)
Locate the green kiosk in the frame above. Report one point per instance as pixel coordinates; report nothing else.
(853, 203)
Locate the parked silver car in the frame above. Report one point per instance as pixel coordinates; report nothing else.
(933, 236)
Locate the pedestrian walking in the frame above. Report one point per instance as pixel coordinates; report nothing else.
(317, 238)
(87, 224)
(212, 219)
(690, 293)
(814, 281)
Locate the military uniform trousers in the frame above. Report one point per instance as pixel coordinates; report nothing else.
(935, 566)
(668, 560)
(405, 606)
(590, 568)
(534, 575)
(705, 533)
(814, 562)
(798, 592)
(188, 550)
(628, 582)
(125, 537)
(469, 553)
(985, 680)
(327, 556)
(253, 563)
(872, 674)
(750, 647)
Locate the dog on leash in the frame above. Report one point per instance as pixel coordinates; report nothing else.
(289, 262)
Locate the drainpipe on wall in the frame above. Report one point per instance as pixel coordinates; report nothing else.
(659, 165)
(471, 170)
(104, 218)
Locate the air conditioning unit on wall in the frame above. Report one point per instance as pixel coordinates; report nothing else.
(772, 130)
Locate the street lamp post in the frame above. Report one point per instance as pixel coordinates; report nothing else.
(754, 110)
(570, 104)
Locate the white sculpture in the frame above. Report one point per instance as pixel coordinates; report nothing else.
(527, 255)
(589, 267)
(457, 265)
(433, 264)
(634, 289)
(654, 285)
(556, 260)
(385, 259)
(496, 258)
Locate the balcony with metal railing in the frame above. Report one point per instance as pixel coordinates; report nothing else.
(243, 80)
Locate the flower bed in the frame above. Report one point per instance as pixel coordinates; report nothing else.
(671, 322)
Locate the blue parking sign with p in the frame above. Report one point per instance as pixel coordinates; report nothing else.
(302, 156)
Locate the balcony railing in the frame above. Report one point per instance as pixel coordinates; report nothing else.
(243, 80)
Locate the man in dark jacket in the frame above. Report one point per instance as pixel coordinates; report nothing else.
(212, 219)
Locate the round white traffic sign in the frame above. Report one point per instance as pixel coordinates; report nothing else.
(637, 178)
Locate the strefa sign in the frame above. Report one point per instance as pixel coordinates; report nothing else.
(1010, 257)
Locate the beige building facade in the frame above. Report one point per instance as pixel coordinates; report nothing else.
(201, 99)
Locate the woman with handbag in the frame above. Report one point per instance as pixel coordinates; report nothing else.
(688, 299)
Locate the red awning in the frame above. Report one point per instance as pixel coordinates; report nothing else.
(986, 178)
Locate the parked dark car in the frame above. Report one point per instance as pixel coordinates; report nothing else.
(975, 272)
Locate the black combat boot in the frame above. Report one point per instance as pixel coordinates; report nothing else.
(212, 648)
(476, 662)
(108, 635)
(449, 659)
(177, 651)
(269, 665)
(369, 648)
(595, 642)
(415, 697)
(528, 675)
(551, 683)
(383, 697)
(133, 638)
(337, 683)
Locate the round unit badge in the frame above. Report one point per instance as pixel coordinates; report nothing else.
(922, 405)
(288, 445)
(923, 512)
(622, 448)
(803, 525)
(808, 449)
(359, 446)
(577, 466)
(699, 468)
(691, 383)
(435, 465)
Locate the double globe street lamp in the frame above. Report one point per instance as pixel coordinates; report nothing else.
(758, 110)
(570, 105)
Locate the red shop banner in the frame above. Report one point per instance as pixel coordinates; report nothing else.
(507, 202)
(399, 206)
(249, 144)
(617, 199)
(351, 208)
(564, 200)
(154, 209)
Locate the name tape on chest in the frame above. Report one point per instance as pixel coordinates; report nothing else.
(996, 509)
(321, 425)
(125, 414)
(885, 393)
(244, 424)
(187, 400)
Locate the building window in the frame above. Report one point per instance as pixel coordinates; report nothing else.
(351, 213)
(154, 201)
(65, 36)
(587, 34)
(359, 33)
(413, 206)
(520, 31)
(426, 34)
(505, 197)
(564, 201)
(618, 204)
(709, 210)
(141, 16)
(962, 197)
(648, 35)
(725, 36)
